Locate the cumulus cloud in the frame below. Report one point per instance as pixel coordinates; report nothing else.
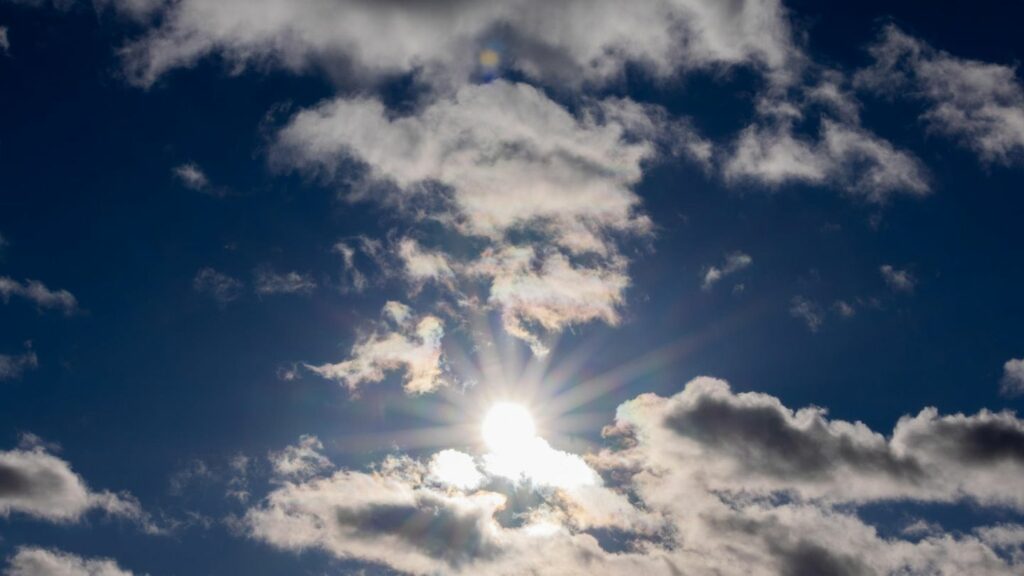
(898, 280)
(13, 366)
(37, 293)
(36, 483)
(1013, 377)
(548, 192)
(31, 561)
(734, 262)
(707, 481)
(401, 343)
(219, 286)
(569, 42)
(268, 282)
(977, 103)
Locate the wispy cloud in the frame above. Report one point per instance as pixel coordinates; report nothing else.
(734, 262)
(37, 293)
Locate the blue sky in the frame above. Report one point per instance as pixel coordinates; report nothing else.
(753, 269)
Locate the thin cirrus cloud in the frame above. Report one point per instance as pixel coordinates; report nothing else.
(719, 482)
(219, 286)
(979, 104)
(38, 293)
(267, 282)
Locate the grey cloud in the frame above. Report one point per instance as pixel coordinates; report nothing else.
(807, 311)
(898, 280)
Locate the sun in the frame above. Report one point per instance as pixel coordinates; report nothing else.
(508, 427)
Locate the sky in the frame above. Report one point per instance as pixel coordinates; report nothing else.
(511, 287)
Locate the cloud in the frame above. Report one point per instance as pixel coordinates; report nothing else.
(267, 282)
(898, 280)
(844, 309)
(1013, 377)
(31, 561)
(12, 367)
(37, 293)
(734, 262)
(221, 287)
(421, 266)
(844, 155)
(977, 103)
(401, 343)
(547, 193)
(707, 481)
(36, 483)
(301, 461)
(192, 176)
(808, 311)
(565, 42)
(5, 43)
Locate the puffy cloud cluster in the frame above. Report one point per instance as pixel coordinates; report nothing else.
(37, 293)
(403, 343)
(36, 483)
(978, 103)
(548, 191)
(30, 561)
(567, 42)
(707, 481)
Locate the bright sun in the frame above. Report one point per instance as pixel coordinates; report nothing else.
(508, 427)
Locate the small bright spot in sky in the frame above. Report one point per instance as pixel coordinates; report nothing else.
(489, 58)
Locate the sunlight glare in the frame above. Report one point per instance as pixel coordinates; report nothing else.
(508, 428)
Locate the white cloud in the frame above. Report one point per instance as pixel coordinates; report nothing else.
(844, 309)
(402, 343)
(31, 561)
(300, 461)
(421, 266)
(192, 176)
(845, 155)
(707, 481)
(221, 287)
(5, 43)
(734, 262)
(548, 192)
(37, 293)
(565, 42)
(898, 280)
(13, 366)
(38, 484)
(808, 311)
(268, 282)
(1013, 377)
(978, 103)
